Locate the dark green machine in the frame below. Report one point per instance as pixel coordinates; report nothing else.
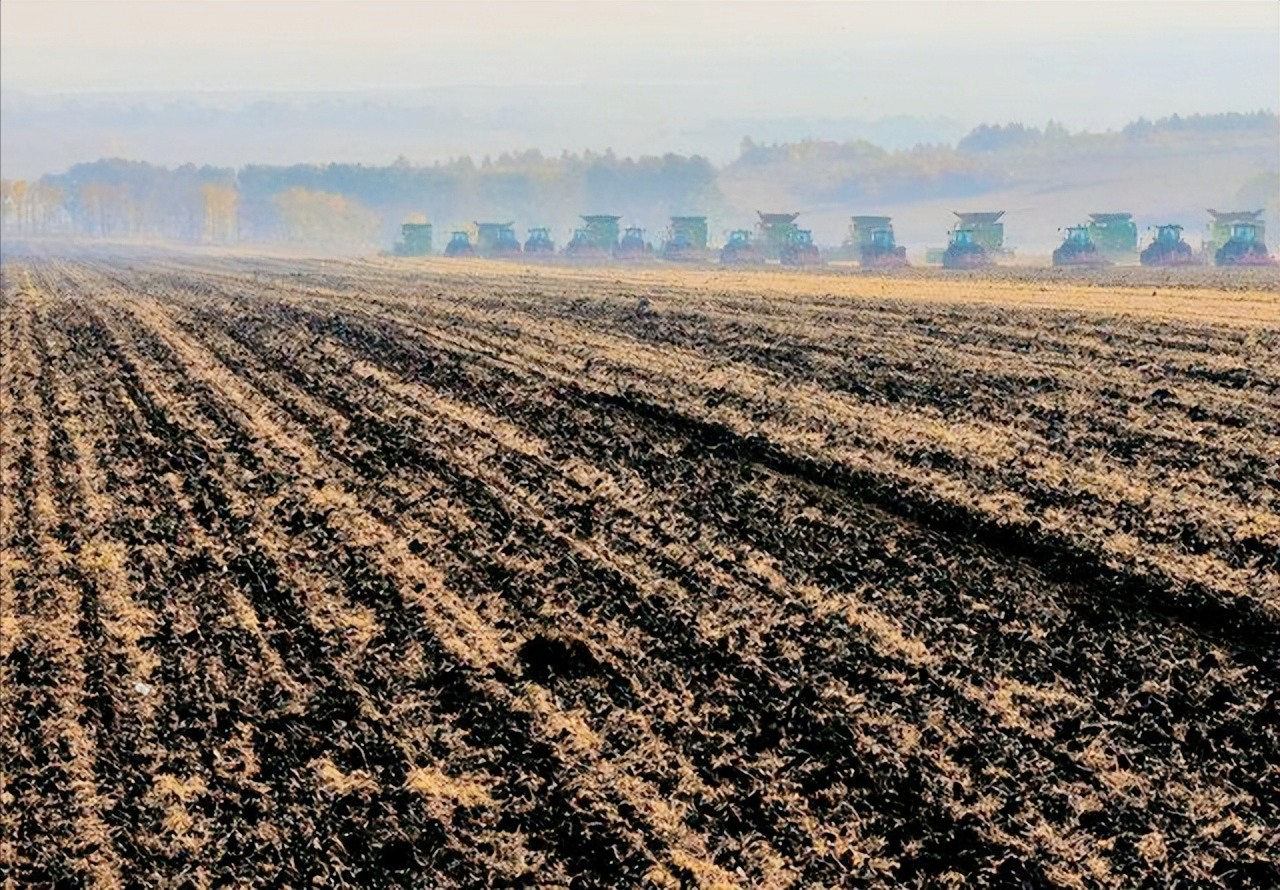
(497, 239)
(539, 241)
(686, 238)
(1221, 231)
(1078, 249)
(985, 230)
(460, 244)
(740, 250)
(1113, 234)
(776, 231)
(1168, 248)
(872, 244)
(415, 240)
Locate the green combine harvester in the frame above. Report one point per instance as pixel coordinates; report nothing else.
(872, 244)
(1238, 239)
(1115, 235)
(415, 240)
(497, 240)
(686, 239)
(597, 239)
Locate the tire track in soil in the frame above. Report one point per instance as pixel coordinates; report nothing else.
(1235, 616)
(55, 770)
(327, 375)
(348, 807)
(517, 476)
(686, 861)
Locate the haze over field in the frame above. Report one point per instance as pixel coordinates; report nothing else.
(235, 84)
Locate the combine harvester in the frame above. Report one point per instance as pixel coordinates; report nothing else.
(686, 239)
(415, 240)
(781, 240)
(800, 250)
(1239, 239)
(964, 251)
(497, 240)
(1168, 249)
(597, 240)
(632, 247)
(740, 250)
(460, 244)
(974, 242)
(1077, 250)
(872, 245)
(539, 242)
(1115, 235)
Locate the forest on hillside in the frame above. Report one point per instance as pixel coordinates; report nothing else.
(354, 205)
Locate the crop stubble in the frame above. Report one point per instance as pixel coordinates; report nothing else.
(388, 573)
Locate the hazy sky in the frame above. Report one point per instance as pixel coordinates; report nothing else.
(638, 77)
(1089, 63)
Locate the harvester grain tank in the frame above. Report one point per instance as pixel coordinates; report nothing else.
(800, 250)
(539, 242)
(415, 240)
(1168, 249)
(632, 246)
(1239, 239)
(775, 232)
(460, 244)
(597, 239)
(1115, 235)
(497, 240)
(686, 239)
(872, 243)
(1245, 247)
(740, 250)
(1078, 249)
(987, 231)
(964, 251)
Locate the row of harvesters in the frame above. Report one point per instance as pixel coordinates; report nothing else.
(1235, 239)
(975, 241)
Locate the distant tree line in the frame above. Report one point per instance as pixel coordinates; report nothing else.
(362, 205)
(350, 204)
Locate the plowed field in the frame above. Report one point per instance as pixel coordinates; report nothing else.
(395, 573)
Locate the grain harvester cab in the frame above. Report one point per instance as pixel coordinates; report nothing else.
(1078, 249)
(800, 250)
(1245, 247)
(597, 239)
(872, 243)
(686, 239)
(964, 251)
(1115, 235)
(460, 244)
(415, 240)
(632, 246)
(497, 240)
(986, 230)
(740, 250)
(539, 242)
(1168, 249)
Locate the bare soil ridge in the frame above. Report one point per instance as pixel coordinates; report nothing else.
(376, 570)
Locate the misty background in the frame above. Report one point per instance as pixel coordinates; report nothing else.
(333, 122)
